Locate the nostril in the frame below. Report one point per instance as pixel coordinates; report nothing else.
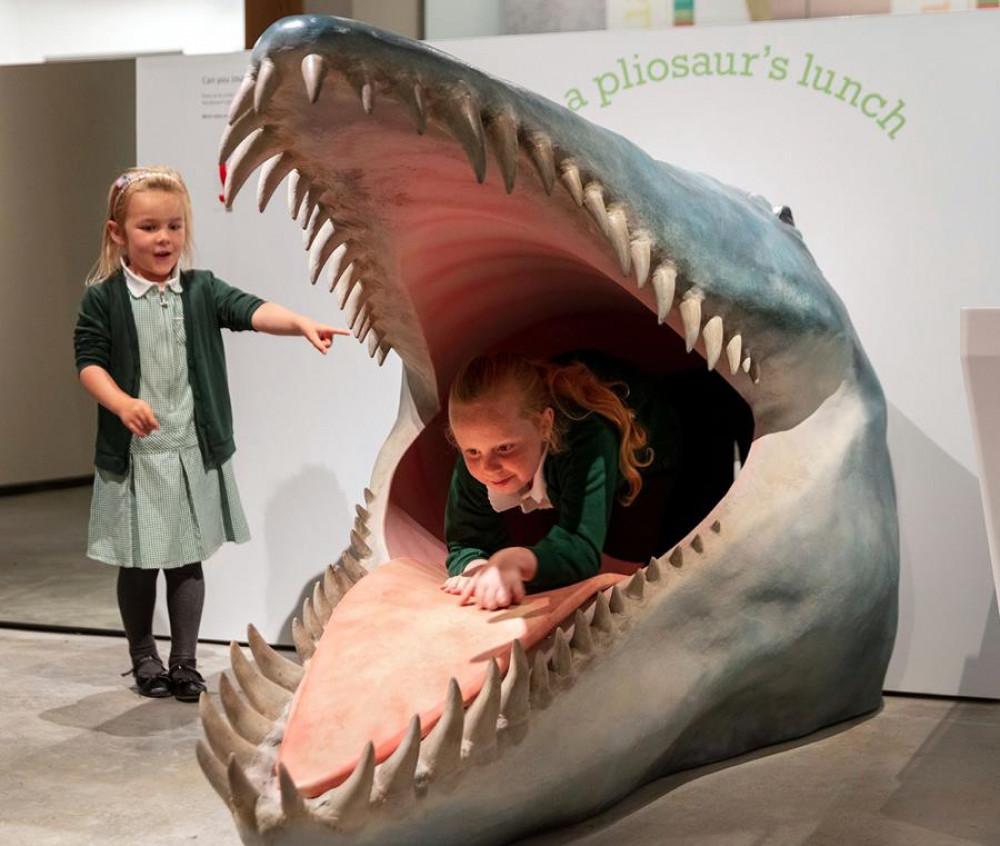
(784, 214)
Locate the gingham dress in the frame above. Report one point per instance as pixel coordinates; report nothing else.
(168, 509)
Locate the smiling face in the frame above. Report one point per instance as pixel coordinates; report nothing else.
(500, 444)
(153, 234)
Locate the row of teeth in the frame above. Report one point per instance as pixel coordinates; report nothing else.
(240, 756)
(250, 141)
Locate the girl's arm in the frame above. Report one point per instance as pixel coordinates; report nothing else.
(137, 416)
(278, 320)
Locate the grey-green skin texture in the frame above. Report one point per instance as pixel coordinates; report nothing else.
(773, 618)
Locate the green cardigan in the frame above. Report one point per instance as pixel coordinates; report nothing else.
(106, 335)
(582, 481)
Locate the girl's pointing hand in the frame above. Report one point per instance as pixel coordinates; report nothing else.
(320, 335)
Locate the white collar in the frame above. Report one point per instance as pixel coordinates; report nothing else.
(139, 287)
(535, 498)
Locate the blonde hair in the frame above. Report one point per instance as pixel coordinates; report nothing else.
(571, 390)
(131, 182)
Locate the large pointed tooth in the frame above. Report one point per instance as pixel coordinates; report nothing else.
(347, 279)
(746, 365)
(360, 525)
(461, 114)
(362, 512)
(755, 371)
(602, 620)
(352, 567)
(618, 233)
(267, 83)
(311, 620)
(697, 544)
(318, 220)
(394, 777)
(242, 798)
(514, 692)
(320, 605)
(664, 284)
(348, 804)
(441, 751)
(332, 586)
(366, 90)
(298, 185)
(540, 150)
(236, 132)
(593, 199)
(271, 175)
(480, 731)
(713, 341)
(266, 697)
(384, 349)
(304, 644)
(214, 770)
(616, 602)
(582, 640)
(364, 327)
(252, 152)
(359, 545)
(313, 74)
(653, 571)
(562, 658)
(676, 558)
(640, 249)
(691, 317)
(356, 323)
(636, 586)
(352, 303)
(369, 496)
(293, 806)
(244, 97)
(328, 239)
(221, 736)
(541, 689)
(250, 725)
(309, 203)
(275, 667)
(570, 174)
(733, 354)
(502, 131)
(411, 94)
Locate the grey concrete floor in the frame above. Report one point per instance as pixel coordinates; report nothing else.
(86, 761)
(45, 577)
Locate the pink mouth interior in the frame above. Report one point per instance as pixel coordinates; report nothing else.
(390, 648)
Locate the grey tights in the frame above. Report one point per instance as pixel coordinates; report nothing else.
(185, 599)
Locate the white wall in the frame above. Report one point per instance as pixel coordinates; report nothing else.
(36, 30)
(905, 228)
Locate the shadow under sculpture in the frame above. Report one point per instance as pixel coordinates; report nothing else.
(773, 614)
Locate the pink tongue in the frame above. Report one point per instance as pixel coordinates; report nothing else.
(388, 652)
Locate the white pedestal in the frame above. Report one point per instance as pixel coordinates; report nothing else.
(981, 365)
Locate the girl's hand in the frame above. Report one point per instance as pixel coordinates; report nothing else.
(320, 335)
(500, 583)
(138, 417)
(457, 584)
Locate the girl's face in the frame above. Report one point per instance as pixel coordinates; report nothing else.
(501, 446)
(153, 234)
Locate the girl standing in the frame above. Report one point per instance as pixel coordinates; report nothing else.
(149, 349)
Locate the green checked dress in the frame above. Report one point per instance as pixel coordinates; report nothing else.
(168, 509)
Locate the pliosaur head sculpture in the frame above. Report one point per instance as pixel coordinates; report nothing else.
(463, 213)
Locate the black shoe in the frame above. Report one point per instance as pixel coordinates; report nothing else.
(150, 677)
(186, 682)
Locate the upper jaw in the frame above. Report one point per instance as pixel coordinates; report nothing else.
(717, 265)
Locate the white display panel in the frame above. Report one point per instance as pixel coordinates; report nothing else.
(900, 214)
